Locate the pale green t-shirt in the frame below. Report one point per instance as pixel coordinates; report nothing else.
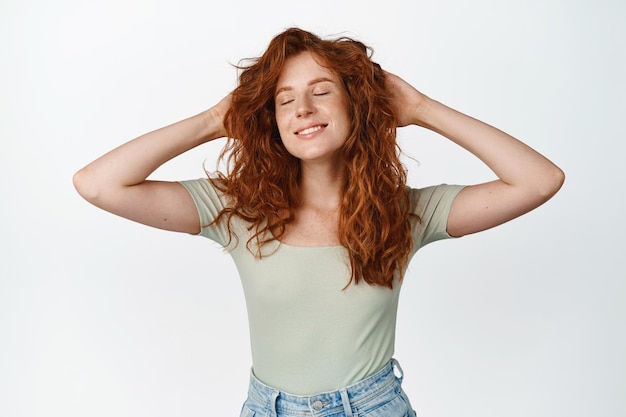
(307, 334)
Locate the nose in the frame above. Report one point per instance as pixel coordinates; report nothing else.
(304, 106)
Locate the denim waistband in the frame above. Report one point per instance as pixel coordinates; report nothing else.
(375, 389)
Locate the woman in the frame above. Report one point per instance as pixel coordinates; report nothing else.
(315, 211)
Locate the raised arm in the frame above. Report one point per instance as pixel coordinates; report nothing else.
(116, 182)
(526, 179)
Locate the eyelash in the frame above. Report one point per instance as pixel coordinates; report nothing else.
(315, 94)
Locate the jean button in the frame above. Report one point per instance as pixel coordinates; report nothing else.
(318, 405)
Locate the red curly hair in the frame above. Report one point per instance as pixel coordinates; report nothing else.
(262, 178)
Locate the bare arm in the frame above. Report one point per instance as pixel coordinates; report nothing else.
(526, 179)
(116, 181)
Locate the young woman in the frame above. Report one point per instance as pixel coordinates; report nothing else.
(315, 211)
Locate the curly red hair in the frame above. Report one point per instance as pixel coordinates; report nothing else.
(262, 178)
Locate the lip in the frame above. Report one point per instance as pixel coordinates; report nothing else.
(317, 127)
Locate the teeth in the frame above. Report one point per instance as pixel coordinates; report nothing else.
(310, 130)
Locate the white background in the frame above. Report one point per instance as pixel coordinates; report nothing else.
(103, 317)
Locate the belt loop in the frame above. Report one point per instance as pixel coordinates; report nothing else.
(396, 365)
(346, 402)
(273, 402)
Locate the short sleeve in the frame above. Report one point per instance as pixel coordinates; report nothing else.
(209, 203)
(432, 205)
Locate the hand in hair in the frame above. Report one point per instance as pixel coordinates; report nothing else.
(215, 116)
(405, 100)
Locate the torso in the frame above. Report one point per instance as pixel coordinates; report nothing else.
(308, 332)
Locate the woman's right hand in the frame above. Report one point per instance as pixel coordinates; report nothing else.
(215, 115)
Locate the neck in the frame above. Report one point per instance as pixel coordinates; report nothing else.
(321, 185)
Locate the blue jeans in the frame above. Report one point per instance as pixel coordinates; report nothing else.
(379, 395)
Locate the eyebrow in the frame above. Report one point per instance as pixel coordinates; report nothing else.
(310, 83)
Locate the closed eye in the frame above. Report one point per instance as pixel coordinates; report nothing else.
(286, 102)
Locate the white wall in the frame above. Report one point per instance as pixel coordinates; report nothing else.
(100, 316)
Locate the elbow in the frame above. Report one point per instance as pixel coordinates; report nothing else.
(558, 179)
(85, 185)
(552, 182)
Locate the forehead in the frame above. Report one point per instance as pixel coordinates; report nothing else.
(301, 69)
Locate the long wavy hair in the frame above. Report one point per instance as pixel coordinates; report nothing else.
(263, 179)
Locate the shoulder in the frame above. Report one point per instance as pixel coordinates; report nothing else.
(429, 198)
(206, 190)
(210, 201)
(431, 208)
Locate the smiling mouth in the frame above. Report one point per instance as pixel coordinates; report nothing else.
(310, 130)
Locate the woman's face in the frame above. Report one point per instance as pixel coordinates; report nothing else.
(311, 110)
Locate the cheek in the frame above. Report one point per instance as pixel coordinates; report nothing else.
(281, 123)
(283, 135)
(346, 121)
(345, 111)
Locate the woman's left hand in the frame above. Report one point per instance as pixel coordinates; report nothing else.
(405, 100)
